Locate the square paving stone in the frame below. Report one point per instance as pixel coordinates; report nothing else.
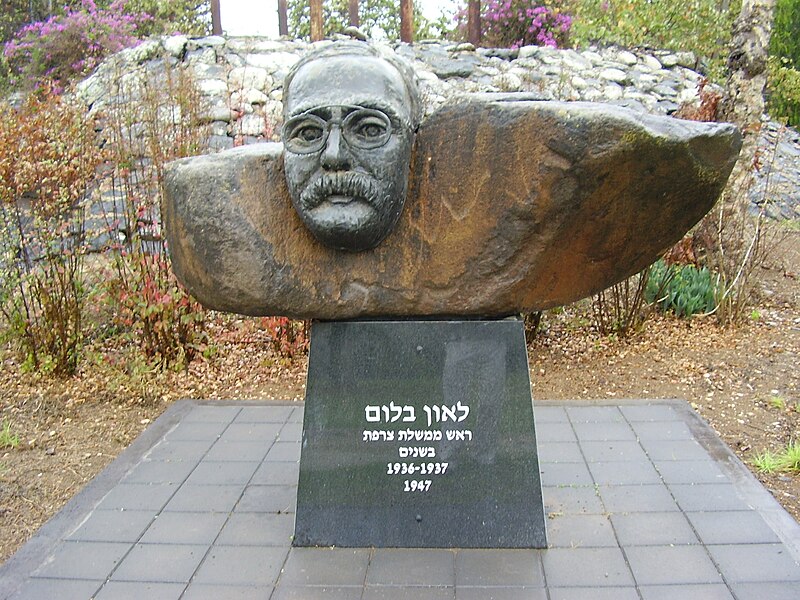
(555, 432)
(227, 592)
(199, 431)
(417, 567)
(251, 565)
(560, 452)
(268, 498)
(572, 500)
(222, 473)
(653, 529)
(238, 451)
(691, 471)
(113, 526)
(317, 593)
(209, 413)
(748, 563)
(614, 451)
(138, 496)
(602, 432)
(586, 567)
(565, 474)
(580, 531)
(205, 498)
(84, 560)
(492, 568)
(663, 431)
(264, 414)
(291, 432)
(178, 450)
(257, 529)
(160, 471)
(549, 414)
(732, 527)
(500, 593)
(408, 593)
(612, 593)
(284, 452)
(127, 590)
(624, 473)
(649, 412)
(594, 414)
(329, 567)
(277, 473)
(765, 590)
(637, 498)
(712, 591)
(63, 589)
(666, 450)
(252, 432)
(707, 497)
(185, 528)
(160, 563)
(661, 565)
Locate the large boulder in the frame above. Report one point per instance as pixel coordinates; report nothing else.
(512, 206)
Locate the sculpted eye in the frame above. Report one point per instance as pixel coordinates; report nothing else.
(370, 128)
(308, 133)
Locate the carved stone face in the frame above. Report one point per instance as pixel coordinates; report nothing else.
(348, 141)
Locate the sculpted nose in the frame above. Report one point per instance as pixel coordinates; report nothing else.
(335, 156)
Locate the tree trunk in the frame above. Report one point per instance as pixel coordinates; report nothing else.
(747, 64)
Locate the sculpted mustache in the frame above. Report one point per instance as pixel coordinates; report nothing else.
(351, 184)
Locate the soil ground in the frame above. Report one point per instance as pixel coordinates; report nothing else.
(744, 381)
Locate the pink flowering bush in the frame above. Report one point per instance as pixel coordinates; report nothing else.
(515, 23)
(69, 45)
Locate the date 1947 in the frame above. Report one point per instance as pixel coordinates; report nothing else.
(412, 485)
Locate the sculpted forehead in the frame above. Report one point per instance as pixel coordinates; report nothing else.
(360, 80)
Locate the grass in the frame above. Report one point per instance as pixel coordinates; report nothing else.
(777, 402)
(786, 460)
(8, 439)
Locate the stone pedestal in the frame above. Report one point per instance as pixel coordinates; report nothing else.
(419, 434)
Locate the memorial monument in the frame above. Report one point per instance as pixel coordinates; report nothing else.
(414, 245)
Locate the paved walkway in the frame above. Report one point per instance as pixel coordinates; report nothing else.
(644, 502)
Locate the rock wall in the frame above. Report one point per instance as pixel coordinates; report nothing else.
(241, 79)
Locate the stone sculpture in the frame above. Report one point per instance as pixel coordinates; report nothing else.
(496, 205)
(349, 122)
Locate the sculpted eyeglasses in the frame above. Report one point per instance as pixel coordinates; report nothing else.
(364, 128)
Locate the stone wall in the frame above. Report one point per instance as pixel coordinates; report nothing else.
(241, 79)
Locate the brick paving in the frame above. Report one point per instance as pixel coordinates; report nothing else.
(643, 500)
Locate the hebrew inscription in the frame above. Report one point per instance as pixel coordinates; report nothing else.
(416, 461)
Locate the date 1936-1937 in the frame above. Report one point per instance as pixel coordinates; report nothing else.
(404, 468)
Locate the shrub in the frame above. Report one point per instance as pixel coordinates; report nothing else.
(70, 45)
(682, 289)
(289, 338)
(784, 62)
(620, 309)
(515, 23)
(700, 26)
(48, 159)
(155, 121)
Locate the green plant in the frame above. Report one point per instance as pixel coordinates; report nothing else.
(7, 438)
(784, 62)
(700, 26)
(790, 457)
(766, 462)
(154, 122)
(777, 402)
(682, 289)
(48, 162)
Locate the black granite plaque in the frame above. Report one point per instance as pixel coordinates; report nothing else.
(419, 434)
